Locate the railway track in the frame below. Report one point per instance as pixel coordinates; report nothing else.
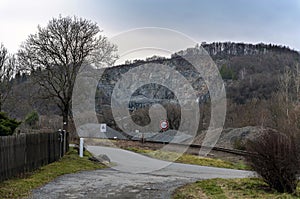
(232, 151)
(192, 146)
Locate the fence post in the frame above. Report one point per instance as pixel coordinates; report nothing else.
(60, 138)
(65, 142)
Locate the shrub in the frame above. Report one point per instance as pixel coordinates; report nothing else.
(7, 125)
(227, 73)
(275, 159)
(239, 144)
(32, 119)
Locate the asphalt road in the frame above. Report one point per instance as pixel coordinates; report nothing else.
(133, 176)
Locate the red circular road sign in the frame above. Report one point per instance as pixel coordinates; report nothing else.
(164, 125)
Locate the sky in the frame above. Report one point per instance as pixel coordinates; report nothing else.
(255, 21)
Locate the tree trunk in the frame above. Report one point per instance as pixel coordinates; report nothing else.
(65, 119)
(0, 102)
(65, 130)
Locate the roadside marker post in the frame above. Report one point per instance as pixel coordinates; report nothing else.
(81, 147)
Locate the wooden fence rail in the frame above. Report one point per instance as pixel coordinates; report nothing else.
(26, 152)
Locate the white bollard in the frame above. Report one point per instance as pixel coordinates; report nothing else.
(81, 147)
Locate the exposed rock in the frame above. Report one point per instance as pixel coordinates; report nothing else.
(229, 136)
(102, 158)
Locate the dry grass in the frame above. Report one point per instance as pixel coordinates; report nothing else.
(189, 159)
(231, 189)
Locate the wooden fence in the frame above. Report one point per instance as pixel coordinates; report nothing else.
(26, 152)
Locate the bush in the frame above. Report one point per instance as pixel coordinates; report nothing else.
(7, 125)
(239, 144)
(227, 73)
(275, 159)
(32, 119)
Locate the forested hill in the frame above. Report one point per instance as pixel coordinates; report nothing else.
(219, 50)
(250, 71)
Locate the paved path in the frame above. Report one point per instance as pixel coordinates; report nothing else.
(134, 176)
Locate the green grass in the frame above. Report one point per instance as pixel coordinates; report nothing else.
(189, 159)
(246, 188)
(70, 163)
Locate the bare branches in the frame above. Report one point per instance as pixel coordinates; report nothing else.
(56, 52)
(276, 159)
(7, 71)
(285, 82)
(3, 55)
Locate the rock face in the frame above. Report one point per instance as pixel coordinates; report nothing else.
(228, 48)
(150, 93)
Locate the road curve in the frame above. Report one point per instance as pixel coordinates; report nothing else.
(128, 161)
(133, 176)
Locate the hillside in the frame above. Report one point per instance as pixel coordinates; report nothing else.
(256, 67)
(249, 72)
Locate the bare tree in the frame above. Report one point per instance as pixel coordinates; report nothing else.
(56, 52)
(285, 83)
(3, 55)
(297, 81)
(7, 70)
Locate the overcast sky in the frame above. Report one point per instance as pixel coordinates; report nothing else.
(268, 21)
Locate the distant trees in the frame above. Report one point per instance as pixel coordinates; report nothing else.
(173, 110)
(32, 119)
(227, 73)
(7, 71)
(56, 52)
(3, 55)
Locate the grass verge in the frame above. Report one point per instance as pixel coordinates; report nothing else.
(230, 188)
(70, 163)
(190, 159)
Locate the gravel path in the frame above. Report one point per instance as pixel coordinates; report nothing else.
(113, 184)
(123, 182)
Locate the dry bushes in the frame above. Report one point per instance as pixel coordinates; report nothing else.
(276, 160)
